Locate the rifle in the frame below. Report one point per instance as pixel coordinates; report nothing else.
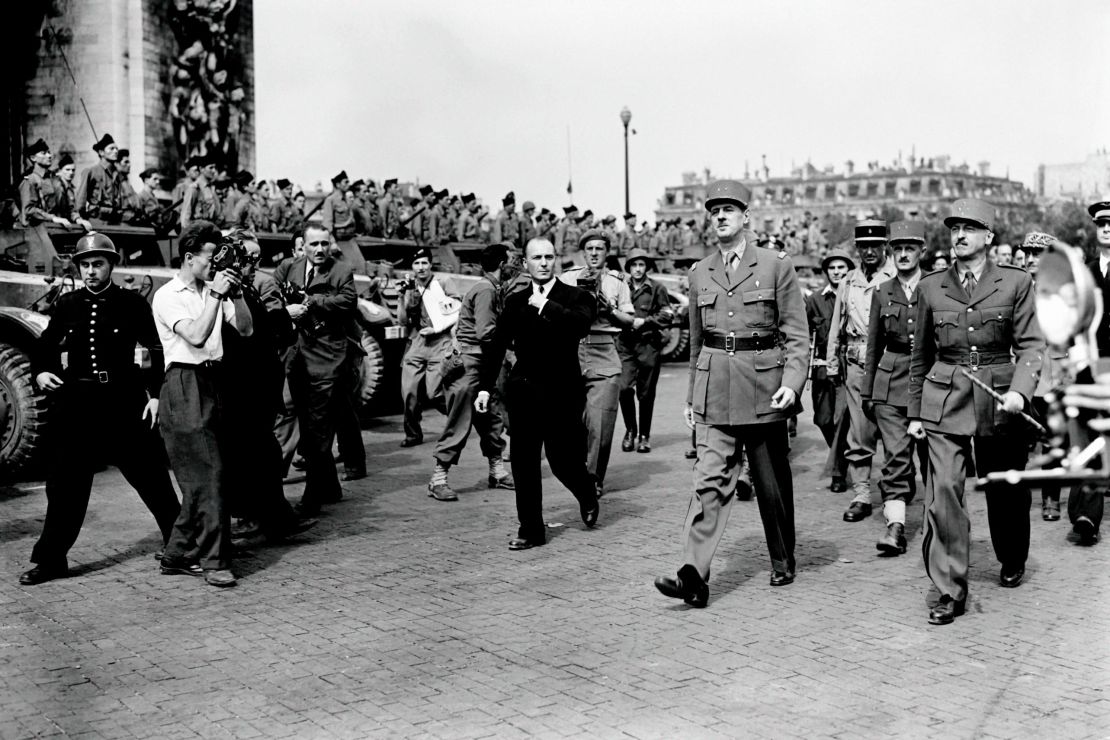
(402, 231)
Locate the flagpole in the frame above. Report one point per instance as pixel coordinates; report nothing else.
(570, 170)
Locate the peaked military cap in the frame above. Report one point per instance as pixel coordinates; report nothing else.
(420, 254)
(124, 153)
(105, 141)
(727, 190)
(528, 206)
(510, 197)
(570, 209)
(64, 161)
(629, 215)
(639, 254)
(907, 231)
(468, 198)
(282, 183)
(37, 148)
(973, 211)
(1099, 210)
(837, 254)
(390, 181)
(871, 230)
(1037, 241)
(340, 177)
(426, 190)
(594, 235)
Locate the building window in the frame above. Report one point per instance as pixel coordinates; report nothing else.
(934, 187)
(788, 195)
(670, 198)
(687, 198)
(890, 188)
(830, 192)
(811, 192)
(769, 195)
(853, 190)
(872, 189)
(915, 187)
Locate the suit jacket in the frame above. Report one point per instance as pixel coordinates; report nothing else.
(1102, 334)
(886, 371)
(329, 329)
(546, 343)
(998, 319)
(760, 298)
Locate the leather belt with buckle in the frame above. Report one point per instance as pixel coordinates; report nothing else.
(738, 344)
(975, 358)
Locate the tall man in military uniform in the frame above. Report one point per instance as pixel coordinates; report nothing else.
(567, 235)
(748, 355)
(597, 354)
(103, 411)
(37, 190)
(638, 347)
(886, 379)
(200, 202)
(627, 241)
(506, 227)
(969, 319)
(848, 334)
(336, 214)
(466, 228)
(98, 189)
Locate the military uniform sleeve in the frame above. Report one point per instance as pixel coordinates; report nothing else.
(923, 353)
(485, 317)
(875, 345)
(792, 327)
(695, 333)
(30, 199)
(187, 205)
(624, 298)
(1028, 344)
(82, 192)
(327, 214)
(46, 352)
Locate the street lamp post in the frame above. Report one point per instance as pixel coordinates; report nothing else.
(626, 116)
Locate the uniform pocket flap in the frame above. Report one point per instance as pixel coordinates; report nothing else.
(997, 313)
(755, 296)
(941, 374)
(1002, 375)
(886, 362)
(945, 317)
(703, 362)
(707, 299)
(767, 360)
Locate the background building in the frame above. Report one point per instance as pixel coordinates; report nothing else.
(1081, 181)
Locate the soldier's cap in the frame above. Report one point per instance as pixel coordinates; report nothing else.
(587, 213)
(420, 254)
(871, 230)
(390, 181)
(1099, 210)
(195, 161)
(691, 222)
(282, 183)
(528, 206)
(64, 161)
(570, 209)
(442, 193)
(358, 184)
(610, 219)
(639, 254)
(544, 212)
(124, 153)
(510, 197)
(1037, 242)
(629, 215)
(37, 148)
(94, 243)
(971, 210)
(371, 184)
(468, 198)
(243, 178)
(837, 254)
(105, 141)
(426, 190)
(593, 235)
(148, 172)
(340, 177)
(907, 231)
(720, 191)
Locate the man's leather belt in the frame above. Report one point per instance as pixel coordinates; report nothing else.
(975, 358)
(738, 344)
(99, 376)
(599, 339)
(898, 348)
(206, 365)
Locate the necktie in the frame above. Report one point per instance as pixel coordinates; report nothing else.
(970, 283)
(730, 262)
(311, 274)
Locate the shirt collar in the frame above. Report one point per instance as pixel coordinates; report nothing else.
(828, 289)
(961, 271)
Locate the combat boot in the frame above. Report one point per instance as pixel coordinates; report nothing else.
(894, 541)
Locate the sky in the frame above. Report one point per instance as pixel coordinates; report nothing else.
(490, 96)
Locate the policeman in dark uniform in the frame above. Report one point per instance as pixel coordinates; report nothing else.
(970, 318)
(748, 353)
(102, 410)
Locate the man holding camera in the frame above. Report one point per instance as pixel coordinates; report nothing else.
(324, 314)
(189, 312)
(597, 353)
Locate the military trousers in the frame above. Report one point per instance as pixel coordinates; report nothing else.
(715, 475)
(946, 544)
(93, 423)
(639, 377)
(862, 432)
(897, 483)
(601, 369)
(420, 377)
(460, 393)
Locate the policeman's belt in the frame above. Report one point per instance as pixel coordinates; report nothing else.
(897, 347)
(599, 338)
(206, 365)
(975, 359)
(100, 376)
(738, 344)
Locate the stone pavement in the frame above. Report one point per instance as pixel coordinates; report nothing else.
(401, 616)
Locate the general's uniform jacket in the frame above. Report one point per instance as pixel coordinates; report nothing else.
(886, 371)
(999, 320)
(333, 302)
(759, 299)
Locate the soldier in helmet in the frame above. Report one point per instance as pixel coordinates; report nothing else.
(748, 354)
(104, 409)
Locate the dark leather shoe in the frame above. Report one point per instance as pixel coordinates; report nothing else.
(629, 442)
(946, 611)
(505, 482)
(412, 441)
(42, 574)
(778, 578)
(300, 463)
(590, 512)
(599, 488)
(1086, 529)
(838, 485)
(520, 543)
(691, 589)
(644, 445)
(894, 541)
(857, 512)
(1050, 510)
(1010, 576)
(349, 475)
(169, 568)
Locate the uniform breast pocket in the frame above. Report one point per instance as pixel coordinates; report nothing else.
(944, 325)
(997, 324)
(935, 390)
(707, 309)
(893, 318)
(759, 309)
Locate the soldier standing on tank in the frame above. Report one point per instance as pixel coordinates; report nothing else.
(98, 190)
(466, 229)
(748, 354)
(336, 214)
(626, 240)
(200, 202)
(567, 236)
(38, 190)
(506, 227)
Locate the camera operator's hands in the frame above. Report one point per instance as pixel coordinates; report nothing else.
(1012, 402)
(481, 403)
(1095, 397)
(226, 282)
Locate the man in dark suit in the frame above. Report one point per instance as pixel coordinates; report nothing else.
(974, 317)
(325, 335)
(546, 394)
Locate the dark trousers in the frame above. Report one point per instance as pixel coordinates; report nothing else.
(95, 423)
(348, 427)
(715, 474)
(543, 420)
(639, 377)
(254, 470)
(314, 399)
(946, 545)
(193, 426)
(460, 393)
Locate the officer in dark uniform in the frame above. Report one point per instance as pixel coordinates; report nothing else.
(970, 318)
(102, 410)
(748, 353)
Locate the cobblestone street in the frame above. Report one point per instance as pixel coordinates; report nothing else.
(401, 616)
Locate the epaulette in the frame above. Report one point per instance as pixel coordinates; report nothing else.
(782, 255)
(695, 266)
(617, 274)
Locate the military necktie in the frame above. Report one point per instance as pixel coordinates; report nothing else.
(730, 262)
(970, 283)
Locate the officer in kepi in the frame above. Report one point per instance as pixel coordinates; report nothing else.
(975, 318)
(103, 411)
(749, 352)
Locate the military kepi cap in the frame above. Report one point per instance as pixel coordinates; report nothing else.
(1099, 210)
(283, 183)
(907, 231)
(105, 141)
(871, 230)
(510, 197)
(727, 190)
(570, 209)
(629, 215)
(971, 210)
(37, 148)
(837, 254)
(94, 243)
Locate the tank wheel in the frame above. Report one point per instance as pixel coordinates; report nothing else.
(676, 343)
(22, 411)
(373, 370)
